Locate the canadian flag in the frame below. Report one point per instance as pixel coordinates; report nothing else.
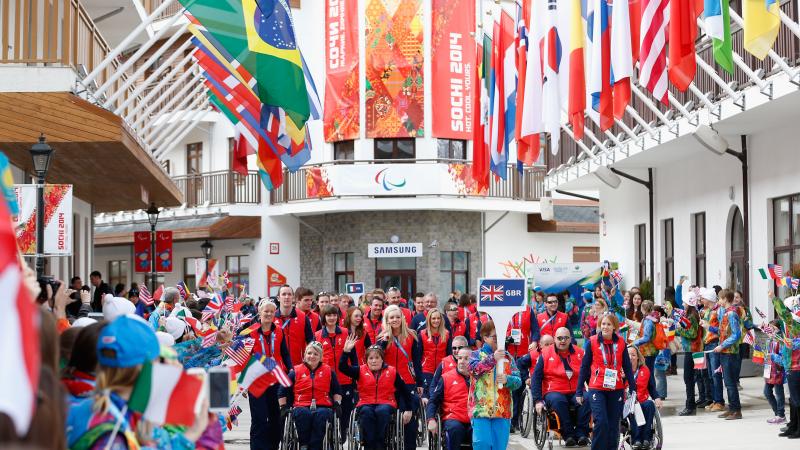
(19, 334)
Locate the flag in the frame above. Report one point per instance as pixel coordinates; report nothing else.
(502, 40)
(19, 334)
(181, 286)
(250, 329)
(775, 271)
(699, 359)
(749, 337)
(144, 295)
(760, 314)
(7, 185)
(165, 394)
(763, 274)
(259, 34)
(158, 293)
(531, 123)
(239, 350)
(795, 282)
(260, 373)
(617, 276)
(624, 328)
(546, 13)
(480, 150)
(718, 27)
(599, 84)
(621, 56)
(576, 78)
(761, 24)
(758, 356)
(507, 27)
(682, 34)
(528, 146)
(209, 339)
(685, 322)
(240, 151)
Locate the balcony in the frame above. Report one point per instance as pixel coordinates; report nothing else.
(434, 178)
(219, 188)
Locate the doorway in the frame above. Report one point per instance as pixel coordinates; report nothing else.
(738, 264)
(397, 272)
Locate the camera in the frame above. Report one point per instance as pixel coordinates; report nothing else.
(43, 283)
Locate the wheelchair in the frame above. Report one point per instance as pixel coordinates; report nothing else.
(436, 441)
(547, 426)
(527, 414)
(393, 435)
(626, 439)
(422, 426)
(291, 440)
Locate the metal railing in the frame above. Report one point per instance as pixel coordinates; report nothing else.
(219, 188)
(527, 186)
(787, 46)
(151, 5)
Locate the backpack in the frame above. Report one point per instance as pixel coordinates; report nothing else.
(660, 338)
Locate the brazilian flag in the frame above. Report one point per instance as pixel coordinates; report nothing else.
(259, 35)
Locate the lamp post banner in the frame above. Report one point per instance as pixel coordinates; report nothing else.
(57, 219)
(141, 251)
(164, 251)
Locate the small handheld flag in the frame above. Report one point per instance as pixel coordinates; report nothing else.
(699, 360)
(775, 271)
(144, 295)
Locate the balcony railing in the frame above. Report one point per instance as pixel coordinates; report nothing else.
(174, 8)
(219, 188)
(787, 46)
(412, 178)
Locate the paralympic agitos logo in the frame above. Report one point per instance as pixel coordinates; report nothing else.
(382, 179)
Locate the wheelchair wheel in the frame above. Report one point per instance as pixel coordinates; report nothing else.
(435, 439)
(539, 428)
(422, 426)
(331, 439)
(290, 440)
(395, 435)
(658, 432)
(353, 433)
(526, 416)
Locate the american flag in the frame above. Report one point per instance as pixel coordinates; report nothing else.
(652, 53)
(277, 372)
(229, 302)
(749, 337)
(239, 350)
(144, 296)
(208, 313)
(210, 339)
(775, 271)
(795, 283)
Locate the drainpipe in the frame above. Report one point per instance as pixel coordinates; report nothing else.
(649, 185)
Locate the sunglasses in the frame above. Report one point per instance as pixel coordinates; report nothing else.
(452, 310)
(457, 348)
(563, 338)
(550, 302)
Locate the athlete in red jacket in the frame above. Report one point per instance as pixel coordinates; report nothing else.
(552, 319)
(449, 398)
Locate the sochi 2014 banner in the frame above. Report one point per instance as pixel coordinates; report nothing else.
(394, 86)
(453, 64)
(342, 109)
(57, 219)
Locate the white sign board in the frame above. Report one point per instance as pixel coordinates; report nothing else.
(501, 298)
(57, 219)
(403, 250)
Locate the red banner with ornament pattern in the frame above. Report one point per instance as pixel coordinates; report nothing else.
(394, 103)
(342, 101)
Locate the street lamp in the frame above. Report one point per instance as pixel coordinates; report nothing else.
(152, 217)
(42, 154)
(207, 247)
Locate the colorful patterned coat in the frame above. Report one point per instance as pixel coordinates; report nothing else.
(485, 400)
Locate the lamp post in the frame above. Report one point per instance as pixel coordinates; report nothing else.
(152, 217)
(42, 154)
(207, 247)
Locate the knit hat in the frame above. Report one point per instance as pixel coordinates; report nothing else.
(708, 294)
(117, 306)
(126, 342)
(691, 299)
(175, 327)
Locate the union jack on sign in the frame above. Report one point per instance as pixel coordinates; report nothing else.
(492, 293)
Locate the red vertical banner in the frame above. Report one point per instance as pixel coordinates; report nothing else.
(141, 251)
(453, 68)
(164, 251)
(342, 102)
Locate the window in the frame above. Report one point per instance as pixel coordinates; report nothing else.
(189, 271)
(194, 158)
(453, 273)
(700, 249)
(451, 148)
(343, 270)
(117, 273)
(585, 254)
(669, 253)
(344, 150)
(238, 268)
(786, 236)
(395, 148)
(641, 253)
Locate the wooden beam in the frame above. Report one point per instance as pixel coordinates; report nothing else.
(231, 227)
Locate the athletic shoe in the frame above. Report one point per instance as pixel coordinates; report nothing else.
(777, 420)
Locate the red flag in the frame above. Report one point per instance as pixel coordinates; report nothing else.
(682, 34)
(480, 151)
(240, 152)
(19, 333)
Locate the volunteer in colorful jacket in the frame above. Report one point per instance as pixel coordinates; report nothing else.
(552, 319)
(555, 382)
(645, 390)
(295, 324)
(403, 353)
(435, 341)
(648, 333)
(786, 311)
(692, 338)
(730, 335)
(490, 392)
(381, 392)
(332, 338)
(264, 410)
(449, 398)
(710, 340)
(604, 363)
(522, 335)
(314, 395)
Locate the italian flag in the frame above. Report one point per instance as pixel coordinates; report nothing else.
(165, 394)
(699, 359)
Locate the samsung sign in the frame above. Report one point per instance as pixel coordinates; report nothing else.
(405, 250)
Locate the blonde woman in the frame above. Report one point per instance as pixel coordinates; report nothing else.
(435, 341)
(403, 352)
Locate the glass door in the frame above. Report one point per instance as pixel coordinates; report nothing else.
(397, 272)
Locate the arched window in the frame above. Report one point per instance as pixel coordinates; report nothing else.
(736, 247)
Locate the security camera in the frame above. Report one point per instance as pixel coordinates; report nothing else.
(710, 139)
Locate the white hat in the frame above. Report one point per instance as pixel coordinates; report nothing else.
(691, 299)
(175, 326)
(708, 294)
(117, 306)
(82, 322)
(165, 339)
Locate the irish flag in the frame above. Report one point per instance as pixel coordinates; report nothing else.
(165, 394)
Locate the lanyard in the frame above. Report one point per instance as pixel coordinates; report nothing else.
(271, 343)
(402, 350)
(603, 351)
(550, 319)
